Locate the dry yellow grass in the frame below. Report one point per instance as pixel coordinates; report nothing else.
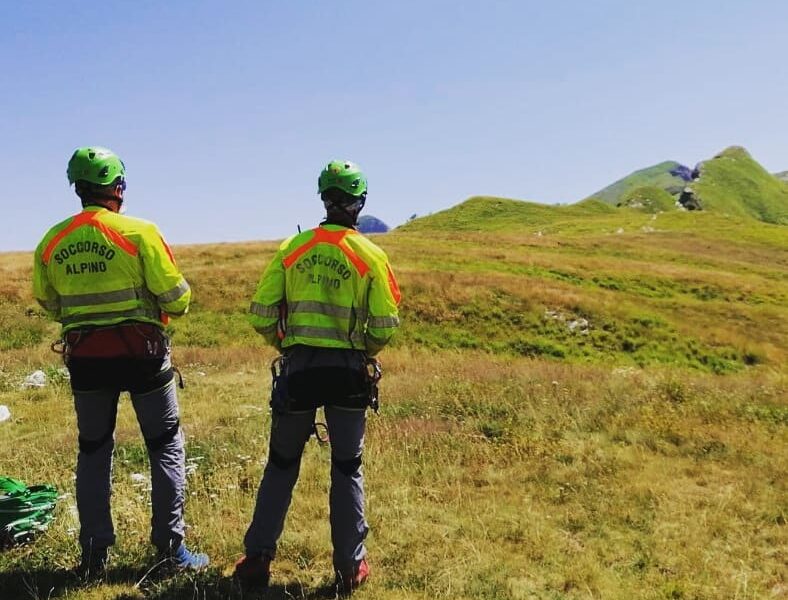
(490, 474)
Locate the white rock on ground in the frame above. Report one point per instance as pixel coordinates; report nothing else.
(581, 324)
(36, 379)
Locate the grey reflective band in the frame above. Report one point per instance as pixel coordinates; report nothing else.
(376, 340)
(321, 308)
(264, 310)
(100, 298)
(326, 333)
(265, 329)
(52, 306)
(175, 293)
(115, 314)
(383, 322)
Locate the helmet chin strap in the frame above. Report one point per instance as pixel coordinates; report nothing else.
(350, 213)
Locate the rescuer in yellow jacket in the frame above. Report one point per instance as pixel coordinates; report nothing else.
(328, 300)
(112, 282)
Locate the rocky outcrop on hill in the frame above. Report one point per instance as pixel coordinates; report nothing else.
(684, 172)
(688, 200)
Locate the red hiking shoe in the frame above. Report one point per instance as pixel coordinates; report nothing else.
(253, 571)
(347, 582)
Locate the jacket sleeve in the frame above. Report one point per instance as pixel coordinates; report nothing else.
(268, 308)
(43, 291)
(384, 299)
(162, 277)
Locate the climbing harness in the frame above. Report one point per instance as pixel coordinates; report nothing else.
(320, 430)
(280, 399)
(126, 340)
(281, 402)
(374, 374)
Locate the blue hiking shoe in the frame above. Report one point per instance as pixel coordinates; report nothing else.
(182, 559)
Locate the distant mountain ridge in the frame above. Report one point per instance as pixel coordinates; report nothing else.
(668, 176)
(370, 224)
(732, 182)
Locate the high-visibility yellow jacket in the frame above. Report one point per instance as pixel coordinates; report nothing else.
(102, 268)
(329, 287)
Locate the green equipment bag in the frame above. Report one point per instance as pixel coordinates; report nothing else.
(24, 511)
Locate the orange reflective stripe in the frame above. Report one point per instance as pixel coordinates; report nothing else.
(167, 248)
(78, 221)
(91, 219)
(335, 238)
(393, 285)
(117, 238)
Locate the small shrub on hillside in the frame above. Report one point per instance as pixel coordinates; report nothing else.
(536, 347)
(22, 330)
(673, 390)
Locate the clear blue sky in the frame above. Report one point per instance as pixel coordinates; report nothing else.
(225, 112)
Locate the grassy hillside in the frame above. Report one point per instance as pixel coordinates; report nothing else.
(485, 213)
(651, 291)
(583, 402)
(658, 176)
(648, 199)
(733, 183)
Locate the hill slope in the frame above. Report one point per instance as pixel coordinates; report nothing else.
(485, 213)
(636, 278)
(734, 183)
(662, 176)
(596, 411)
(649, 199)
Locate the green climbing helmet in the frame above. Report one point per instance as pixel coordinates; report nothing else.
(344, 175)
(95, 165)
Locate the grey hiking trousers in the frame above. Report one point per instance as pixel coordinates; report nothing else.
(157, 414)
(289, 434)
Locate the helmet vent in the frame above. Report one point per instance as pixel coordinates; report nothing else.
(91, 155)
(104, 172)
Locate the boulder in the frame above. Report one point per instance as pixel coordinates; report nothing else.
(689, 200)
